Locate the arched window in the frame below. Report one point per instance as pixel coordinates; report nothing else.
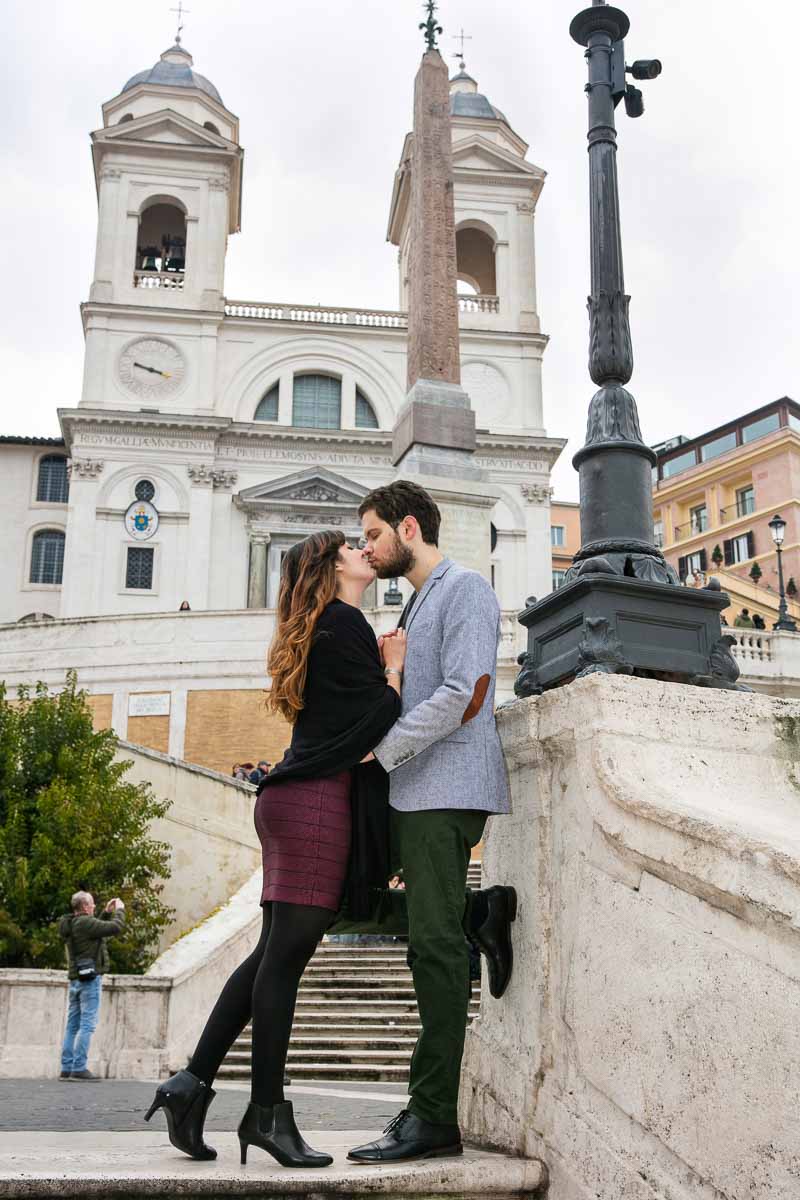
(317, 402)
(365, 413)
(161, 246)
(47, 556)
(125, 117)
(53, 485)
(210, 125)
(268, 406)
(475, 260)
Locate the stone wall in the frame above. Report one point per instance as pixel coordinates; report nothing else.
(648, 1045)
(209, 829)
(148, 1023)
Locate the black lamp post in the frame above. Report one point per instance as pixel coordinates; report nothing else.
(777, 528)
(621, 609)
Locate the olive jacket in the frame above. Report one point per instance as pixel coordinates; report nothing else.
(84, 937)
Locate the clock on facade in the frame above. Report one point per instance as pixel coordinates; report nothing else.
(151, 367)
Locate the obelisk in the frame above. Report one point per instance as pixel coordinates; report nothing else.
(434, 434)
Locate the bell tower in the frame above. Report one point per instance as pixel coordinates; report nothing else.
(496, 191)
(168, 170)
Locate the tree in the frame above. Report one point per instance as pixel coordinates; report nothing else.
(70, 821)
(717, 556)
(755, 573)
(791, 588)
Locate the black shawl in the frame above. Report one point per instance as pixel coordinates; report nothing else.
(348, 708)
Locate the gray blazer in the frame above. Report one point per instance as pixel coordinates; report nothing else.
(444, 751)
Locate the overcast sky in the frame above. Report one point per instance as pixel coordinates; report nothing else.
(709, 180)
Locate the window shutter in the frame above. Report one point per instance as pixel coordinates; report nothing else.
(682, 567)
(751, 546)
(727, 550)
(703, 560)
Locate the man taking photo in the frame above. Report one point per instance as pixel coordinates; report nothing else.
(87, 955)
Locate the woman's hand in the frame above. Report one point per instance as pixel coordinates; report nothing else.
(393, 649)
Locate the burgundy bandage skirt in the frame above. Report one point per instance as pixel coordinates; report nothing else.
(304, 829)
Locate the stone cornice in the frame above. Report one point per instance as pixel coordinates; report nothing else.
(154, 314)
(224, 436)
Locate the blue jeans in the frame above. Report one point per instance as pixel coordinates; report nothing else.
(84, 1005)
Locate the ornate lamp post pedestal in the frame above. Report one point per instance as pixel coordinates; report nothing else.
(621, 608)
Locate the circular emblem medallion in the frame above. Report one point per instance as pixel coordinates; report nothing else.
(141, 520)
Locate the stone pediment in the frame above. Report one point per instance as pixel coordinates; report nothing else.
(300, 503)
(164, 126)
(479, 154)
(315, 486)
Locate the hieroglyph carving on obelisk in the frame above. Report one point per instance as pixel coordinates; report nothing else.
(433, 304)
(435, 429)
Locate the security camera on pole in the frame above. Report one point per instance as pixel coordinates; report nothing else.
(622, 609)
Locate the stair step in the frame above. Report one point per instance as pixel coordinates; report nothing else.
(322, 1071)
(316, 1054)
(338, 1042)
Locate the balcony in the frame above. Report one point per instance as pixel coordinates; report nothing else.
(742, 508)
(691, 528)
(478, 304)
(172, 280)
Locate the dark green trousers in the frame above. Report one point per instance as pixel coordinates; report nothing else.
(433, 850)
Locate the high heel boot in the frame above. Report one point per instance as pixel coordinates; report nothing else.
(185, 1100)
(273, 1129)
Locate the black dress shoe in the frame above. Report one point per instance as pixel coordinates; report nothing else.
(494, 936)
(272, 1128)
(407, 1137)
(185, 1100)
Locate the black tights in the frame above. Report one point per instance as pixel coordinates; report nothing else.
(263, 987)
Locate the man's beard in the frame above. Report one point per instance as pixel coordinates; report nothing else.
(400, 562)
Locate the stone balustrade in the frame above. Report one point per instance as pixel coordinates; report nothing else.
(317, 314)
(172, 280)
(769, 660)
(479, 304)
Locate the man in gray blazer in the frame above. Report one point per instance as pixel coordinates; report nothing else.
(446, 776)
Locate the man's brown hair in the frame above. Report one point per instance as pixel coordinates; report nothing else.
(405, 499)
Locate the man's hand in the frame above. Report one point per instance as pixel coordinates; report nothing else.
(114, 904)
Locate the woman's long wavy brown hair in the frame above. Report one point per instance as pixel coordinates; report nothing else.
(308, 584)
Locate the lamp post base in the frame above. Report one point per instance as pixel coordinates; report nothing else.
(619, 625)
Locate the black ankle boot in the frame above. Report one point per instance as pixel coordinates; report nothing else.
(185, 1100)
(273, 1129)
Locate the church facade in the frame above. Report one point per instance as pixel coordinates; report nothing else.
(211, 433)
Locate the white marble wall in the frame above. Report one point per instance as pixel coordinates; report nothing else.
(648, 1045)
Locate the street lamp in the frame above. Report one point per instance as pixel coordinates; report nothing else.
(621, 609)
(393, 596)
(777, 528)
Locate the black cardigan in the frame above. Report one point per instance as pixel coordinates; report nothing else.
(348, 707)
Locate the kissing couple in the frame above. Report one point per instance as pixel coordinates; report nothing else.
(395, 764)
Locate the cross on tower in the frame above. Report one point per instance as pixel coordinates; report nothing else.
(461, 37)
(180, 10)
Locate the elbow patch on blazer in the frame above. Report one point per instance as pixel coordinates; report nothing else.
(478, 697)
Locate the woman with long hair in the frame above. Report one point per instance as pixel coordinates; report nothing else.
(341, 700)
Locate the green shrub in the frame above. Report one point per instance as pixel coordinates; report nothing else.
(69, 821)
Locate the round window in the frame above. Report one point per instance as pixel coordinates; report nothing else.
(144, 490)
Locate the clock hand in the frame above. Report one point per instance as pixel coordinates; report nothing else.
(152, 370)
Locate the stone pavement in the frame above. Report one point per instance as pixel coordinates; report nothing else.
(117, 1105)
(79, 1139)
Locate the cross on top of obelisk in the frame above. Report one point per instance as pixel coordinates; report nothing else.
(430, 26)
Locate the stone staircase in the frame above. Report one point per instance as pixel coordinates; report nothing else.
(356, 1016)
